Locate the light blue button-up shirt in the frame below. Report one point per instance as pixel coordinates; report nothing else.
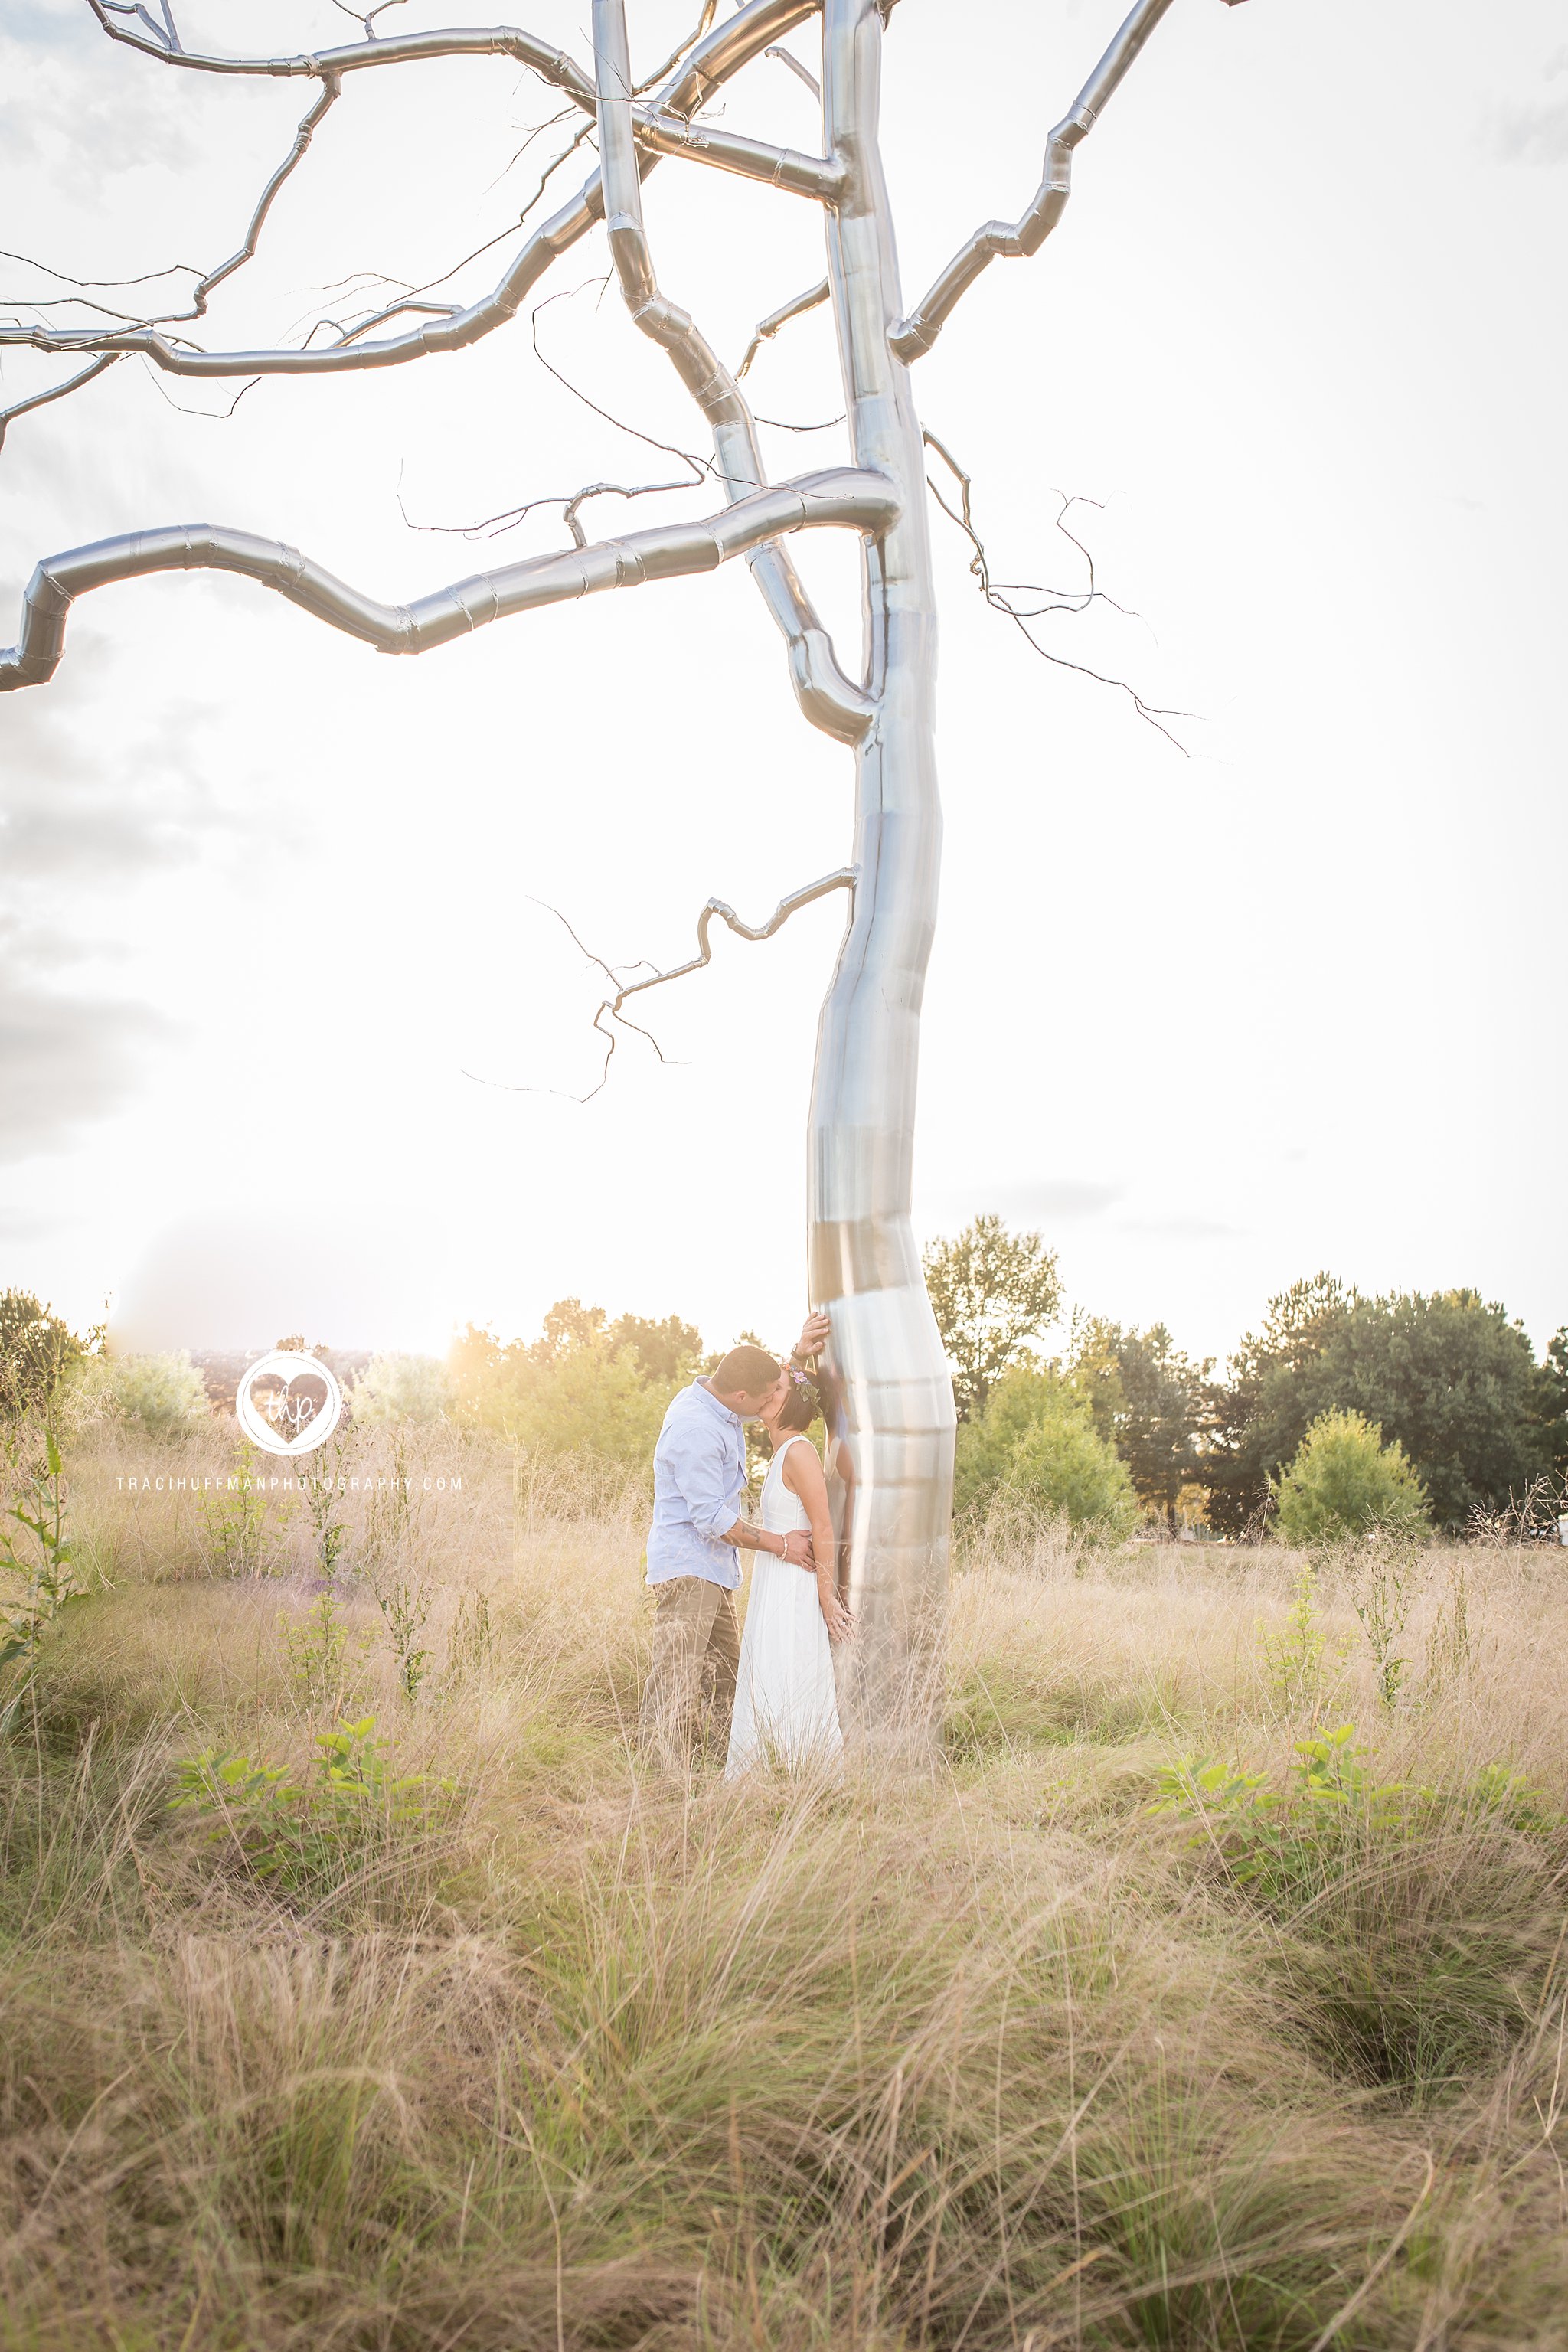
(699, 1473)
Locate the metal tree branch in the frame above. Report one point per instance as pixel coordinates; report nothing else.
(841, 498)
(719, 55)
(829, 699)
(331, 88)
(799, 71)
(768, 327)
(914, 335)
(571, 503)
(779, 167)
(552, 65)
(844, 880)
(811, 175)
(825, 694)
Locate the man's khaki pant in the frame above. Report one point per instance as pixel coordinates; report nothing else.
(690, 1692)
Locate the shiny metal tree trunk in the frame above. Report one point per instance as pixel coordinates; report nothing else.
(891, 1467)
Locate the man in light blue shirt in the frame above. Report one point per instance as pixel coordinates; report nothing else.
(695, 1541)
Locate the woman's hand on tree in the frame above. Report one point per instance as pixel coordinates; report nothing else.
(813, 1337)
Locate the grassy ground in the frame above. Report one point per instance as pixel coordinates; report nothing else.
(1131, 2023)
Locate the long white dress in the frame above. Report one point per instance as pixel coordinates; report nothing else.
(786, 1706)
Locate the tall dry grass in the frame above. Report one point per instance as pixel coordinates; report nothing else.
(559, 2052)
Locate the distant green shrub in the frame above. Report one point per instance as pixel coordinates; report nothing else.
(1344, 1481)
(395, 1387)
(1035, 1442)
(590, 1400)
(577, 1393)
(160, 1395)
(37, 1350)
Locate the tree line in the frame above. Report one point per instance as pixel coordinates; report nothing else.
(1446, 1377)
(1118, 1425)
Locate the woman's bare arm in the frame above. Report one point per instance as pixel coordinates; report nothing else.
(803, 1474)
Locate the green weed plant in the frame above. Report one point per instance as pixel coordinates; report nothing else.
(404, 1598)
(1296, 1661)
(1278, 1843)
(1404, 1921)
(1381, 1597)
(318, 1652)
(235, 1521)
(40, 1558)
(329, 1533)
(304, 1838)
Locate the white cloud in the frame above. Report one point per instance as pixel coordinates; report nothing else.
(65, 1061)
(1529, 130)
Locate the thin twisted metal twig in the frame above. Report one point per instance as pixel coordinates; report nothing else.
(845, 878)
(710, 9)
(569, 502)
(702, 469)
(56, 392)
(411, 300)
(999, 596)
(914, 335)
(208, 280)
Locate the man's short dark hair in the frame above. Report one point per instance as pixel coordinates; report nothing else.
(744, 1371)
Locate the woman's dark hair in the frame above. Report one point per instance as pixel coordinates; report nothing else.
(801, 1407)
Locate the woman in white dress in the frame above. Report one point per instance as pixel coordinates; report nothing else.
(786, 1706)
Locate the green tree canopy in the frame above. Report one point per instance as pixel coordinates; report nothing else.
(585, 1386)
(992, 1292)
(1035, 1440)
(1344, 1480)
(1150, 1401)
(397, 1386)
(1448, 1376)
(664, 1351)
(1554, 1398)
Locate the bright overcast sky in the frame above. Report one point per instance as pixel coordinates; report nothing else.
(1210, 1022)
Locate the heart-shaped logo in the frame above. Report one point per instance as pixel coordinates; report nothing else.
(287, 1404)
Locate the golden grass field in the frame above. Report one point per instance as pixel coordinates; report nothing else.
(501, 2042)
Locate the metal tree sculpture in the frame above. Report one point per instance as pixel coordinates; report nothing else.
(894, 1399)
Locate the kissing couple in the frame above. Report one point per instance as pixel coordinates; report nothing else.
(773, 1693)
